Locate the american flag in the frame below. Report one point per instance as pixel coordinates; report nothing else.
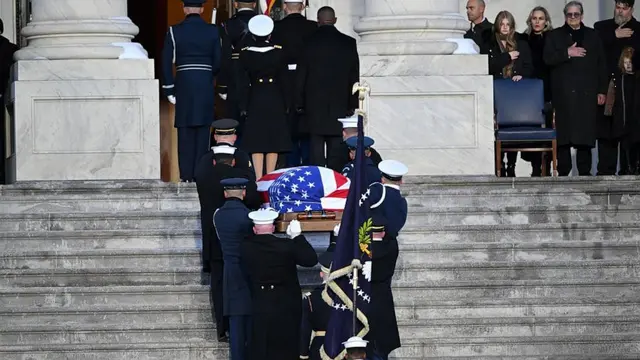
(266, 6)
(304, 188)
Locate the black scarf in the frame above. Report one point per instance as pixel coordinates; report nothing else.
(576, 34)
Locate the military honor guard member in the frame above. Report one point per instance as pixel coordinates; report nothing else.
(383, 335)
(373, 173)
(271, 263)
(356, 348)
(349, 130)
(235, 36)
(292, 32)
(233, 225)
(386, 197)
(225, 132)
(263, 100)
(315, 314)
(194, 47)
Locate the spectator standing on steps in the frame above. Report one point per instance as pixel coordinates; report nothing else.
(479, 23)
(7, 49)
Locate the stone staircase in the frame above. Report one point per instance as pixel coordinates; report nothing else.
(489, 269)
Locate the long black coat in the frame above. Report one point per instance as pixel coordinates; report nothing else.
(271, 265)
(540, 68)
(576, 83)
(327, 71)
(315, 317)
(498, 59)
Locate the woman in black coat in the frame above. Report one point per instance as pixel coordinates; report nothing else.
(538, 25)
(625, 123)
(509, 58)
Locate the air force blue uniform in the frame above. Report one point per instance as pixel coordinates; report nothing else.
(371, 169)
(232, 225)
(387, 199)
(194, 47)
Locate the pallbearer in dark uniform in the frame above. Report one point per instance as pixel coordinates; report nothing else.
(194, 47)
(232, 226)
(235, 36)
(386, 197)
(349, 130)
(271, 263)
(292, 32)
(373, 173)
(263, 101)
(383, 335)
(315, 314)
(225, 133)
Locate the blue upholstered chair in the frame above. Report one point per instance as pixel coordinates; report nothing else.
(520, 120)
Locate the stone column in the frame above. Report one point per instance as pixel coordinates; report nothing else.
(428, 108)
(86, 101)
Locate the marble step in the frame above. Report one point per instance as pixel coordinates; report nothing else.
(106, 333)
(193, 349)
(416, 218)
(573, 347)
(406, 309)
(407, 272)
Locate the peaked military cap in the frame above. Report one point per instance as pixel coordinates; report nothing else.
(263, 216)
(350, 122)
(355, 342)
(234, 183)
(224, 126)
(261, 25)
(352, 142)
(393, 170)
(224, 149)
(194, 3)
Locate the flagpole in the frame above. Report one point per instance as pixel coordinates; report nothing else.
(356, 266)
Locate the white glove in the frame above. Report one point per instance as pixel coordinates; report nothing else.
(223, 96)
(172, 99)
(294, 229)
(336, 230)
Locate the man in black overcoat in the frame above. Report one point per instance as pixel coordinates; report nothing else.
(328, 69)
(235, 36)
(481, 28)
(271, 264)
(7, 49)
(579, 84)
(617, 33)
(292, 32)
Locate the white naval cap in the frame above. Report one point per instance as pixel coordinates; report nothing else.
(263, 216)
(350, 122)
(261, 25)
(393, 169)
(224, 149)
(355, 342)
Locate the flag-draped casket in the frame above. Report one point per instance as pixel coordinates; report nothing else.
(312, 194)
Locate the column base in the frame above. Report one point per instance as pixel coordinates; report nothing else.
(439, 124)
(86, 120)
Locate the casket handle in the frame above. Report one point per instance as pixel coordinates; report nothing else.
(318, 215)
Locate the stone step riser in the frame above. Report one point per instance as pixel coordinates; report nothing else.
(106, 337)
(86, 299)
(524, 236)
(194, 353)
(116, 223)
(71, 319)
(89, 204)
(153, 262)
(309, 276)
(185, 241)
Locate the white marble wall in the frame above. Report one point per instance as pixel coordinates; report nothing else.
(8, 16)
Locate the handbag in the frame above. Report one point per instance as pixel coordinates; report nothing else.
(611, 98)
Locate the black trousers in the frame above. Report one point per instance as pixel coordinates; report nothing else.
(583, 160)
(193, 143)
(316, 156)
(608, 157)
(215, 297)
(3, 146)
(631, 154)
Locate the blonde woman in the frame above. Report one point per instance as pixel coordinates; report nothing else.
(538, 26)
(509, 58)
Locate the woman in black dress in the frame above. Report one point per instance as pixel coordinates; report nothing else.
(509, 58)
(262, 97)
(538, 24)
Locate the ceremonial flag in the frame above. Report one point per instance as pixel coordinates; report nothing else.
(266, 6)
(352, 251)
(304, 188)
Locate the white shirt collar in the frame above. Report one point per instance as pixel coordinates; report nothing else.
(393, 186)
(245, 9)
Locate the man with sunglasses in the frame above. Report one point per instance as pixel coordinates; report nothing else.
(579, 85)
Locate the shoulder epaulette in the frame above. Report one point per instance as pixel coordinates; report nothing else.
(306, 295)
(243, 49)
(277, 46)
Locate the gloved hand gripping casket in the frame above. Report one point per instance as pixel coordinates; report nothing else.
(313, 195)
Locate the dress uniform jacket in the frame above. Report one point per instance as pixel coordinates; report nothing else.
(384, 335)
(344, 159)
(194, 47)
(232, 226)
(388, 199)
(235, 36)
(263, 97)
(315, 319)
(372, 172)
(326, 73)
(271, 264)
(243, 161)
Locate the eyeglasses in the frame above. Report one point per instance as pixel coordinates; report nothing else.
(573, 15)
